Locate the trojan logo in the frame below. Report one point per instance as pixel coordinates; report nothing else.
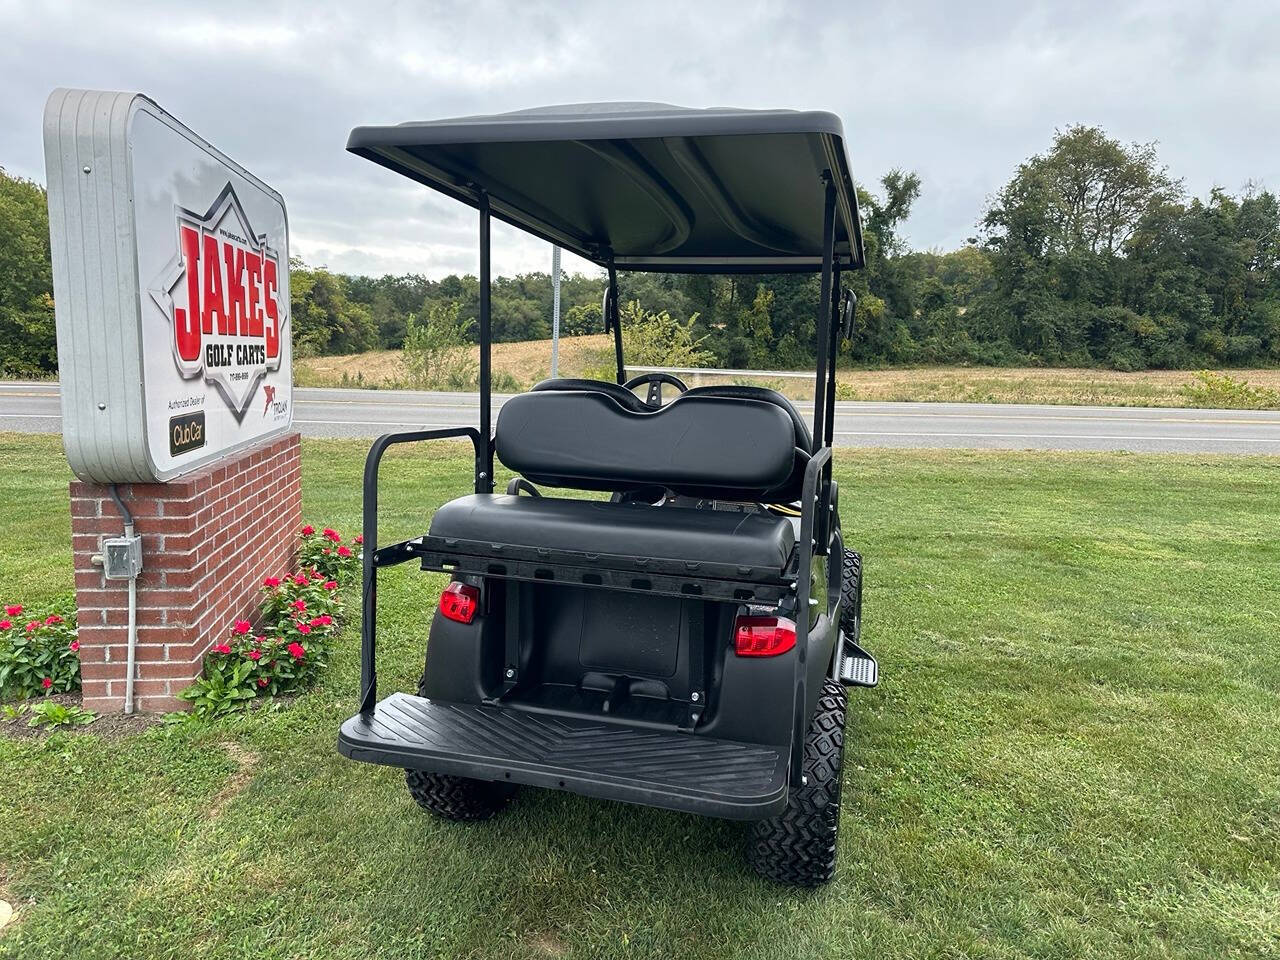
(221, 295)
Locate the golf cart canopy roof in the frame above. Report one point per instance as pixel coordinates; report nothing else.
(644, 186)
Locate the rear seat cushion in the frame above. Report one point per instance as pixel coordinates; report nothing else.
(758, 540)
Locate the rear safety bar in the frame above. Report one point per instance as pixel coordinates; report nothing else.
(369, 599)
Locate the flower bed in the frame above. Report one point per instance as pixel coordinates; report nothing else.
(38, 651)
(289, 646)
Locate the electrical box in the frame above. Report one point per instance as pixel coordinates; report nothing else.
(122, 557)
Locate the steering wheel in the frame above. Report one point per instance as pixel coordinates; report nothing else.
(655, 382)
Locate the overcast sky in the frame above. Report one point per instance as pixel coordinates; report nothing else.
(960, 92)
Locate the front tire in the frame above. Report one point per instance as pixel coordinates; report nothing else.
(798, 846)
(851, 596)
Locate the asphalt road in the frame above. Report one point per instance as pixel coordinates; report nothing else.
(34, 408)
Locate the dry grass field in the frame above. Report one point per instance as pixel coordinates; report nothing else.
(530, 362)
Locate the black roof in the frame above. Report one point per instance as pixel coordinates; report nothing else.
(646, 185)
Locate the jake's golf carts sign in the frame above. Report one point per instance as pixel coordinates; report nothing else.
(171, 286)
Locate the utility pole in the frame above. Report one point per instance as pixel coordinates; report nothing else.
(555, 311)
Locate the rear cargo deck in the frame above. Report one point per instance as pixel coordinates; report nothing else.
(615, 761)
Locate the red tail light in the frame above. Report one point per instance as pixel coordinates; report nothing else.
(460, 601)
(764, 636)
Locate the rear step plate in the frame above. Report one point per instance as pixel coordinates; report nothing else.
(858, 668)
(615, 761)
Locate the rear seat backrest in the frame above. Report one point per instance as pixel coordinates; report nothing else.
(697, 445)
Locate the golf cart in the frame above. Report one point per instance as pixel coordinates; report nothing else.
(676, 627)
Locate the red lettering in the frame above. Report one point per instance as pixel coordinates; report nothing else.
(215, 303)
(270, 290)
(186, 322)
(253, 264)
(234, 259)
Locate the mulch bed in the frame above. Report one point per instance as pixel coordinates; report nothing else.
(108, 725)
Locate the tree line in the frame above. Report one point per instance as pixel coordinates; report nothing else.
(1092, 254)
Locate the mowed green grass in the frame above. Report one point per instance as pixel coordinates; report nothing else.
(1074, 751)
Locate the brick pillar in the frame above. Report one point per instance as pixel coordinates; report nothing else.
(208, 539)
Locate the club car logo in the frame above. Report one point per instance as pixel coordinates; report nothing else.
(221, 294)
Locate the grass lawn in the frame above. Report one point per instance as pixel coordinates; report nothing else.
(1074, 751)
(530, 362)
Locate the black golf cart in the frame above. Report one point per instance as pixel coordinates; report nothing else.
(684, 643)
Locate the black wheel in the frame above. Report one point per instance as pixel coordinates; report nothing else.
(798, 846)
(458, 798)
(851, 596)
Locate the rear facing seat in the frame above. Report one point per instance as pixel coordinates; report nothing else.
(599, 528)
(701, 445)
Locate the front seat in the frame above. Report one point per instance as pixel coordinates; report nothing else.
(626, 399)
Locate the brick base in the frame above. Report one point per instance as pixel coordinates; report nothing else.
(208, 539)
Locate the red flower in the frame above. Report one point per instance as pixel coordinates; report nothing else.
(296, 650)
(303, 628)
(271, 582)
(74, 645)
(221, 648)
(14, 610)
(359, 538)
(254, 654)
(46, 683)
(300, 580)
(331, 584)
(299, 605)
(321, 621)
(327, 551)
(331, 534)
(262, 681)
(344, 551)
(308, 530)
(242, 627)
(50, 620)
(32, 625)
(6, 624)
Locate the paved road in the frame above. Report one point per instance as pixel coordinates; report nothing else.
(34, 408)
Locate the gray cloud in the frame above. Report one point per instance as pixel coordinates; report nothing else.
(961, 93)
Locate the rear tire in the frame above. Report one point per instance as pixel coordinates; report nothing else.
(458, 798)
(461, 799)
(798, 846)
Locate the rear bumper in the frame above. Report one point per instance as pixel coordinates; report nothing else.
(612, 761)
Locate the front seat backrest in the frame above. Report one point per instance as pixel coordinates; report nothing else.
(626, 399)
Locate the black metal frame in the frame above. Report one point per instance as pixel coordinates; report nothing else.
(816, 524)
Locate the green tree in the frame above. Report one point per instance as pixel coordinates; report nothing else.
(658, 339)
(437, 354)
(28, 343)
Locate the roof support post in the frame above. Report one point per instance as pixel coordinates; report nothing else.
(484, 472)
(614, 320)
(824, 306)
(835, 344)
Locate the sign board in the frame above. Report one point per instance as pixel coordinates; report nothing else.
(171, 290)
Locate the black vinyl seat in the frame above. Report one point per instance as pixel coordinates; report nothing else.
(626, 399)
(802, 439)
(595, 527)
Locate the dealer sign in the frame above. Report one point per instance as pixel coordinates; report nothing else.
(171, 289)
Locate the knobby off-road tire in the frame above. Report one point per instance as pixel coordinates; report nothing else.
(798, 846)
(457, 798)
(851, 596)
